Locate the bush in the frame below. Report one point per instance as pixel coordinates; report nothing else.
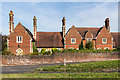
(44, 52)
(70, 50)
(47, 53)
(89, 45)
(34, 53)
(81, 46)
(34, 48)
(6, 53)
(55, 51)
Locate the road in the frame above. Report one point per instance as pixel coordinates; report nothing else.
(24, 68)
(31, 68)
(28, 68)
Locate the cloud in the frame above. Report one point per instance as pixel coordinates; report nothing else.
(0, 17)
(95, 16)
(60, 0)
(49, 15)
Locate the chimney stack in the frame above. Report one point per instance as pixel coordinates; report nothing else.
(107, 24)
(34, 27)
(63, 26)
(11, 22)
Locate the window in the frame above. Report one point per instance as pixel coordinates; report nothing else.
(98, 48)
(59, 48)
(104, 40)
(70, 48)
(106, 47)
(73, 40)
(19, 39)
(89, 39)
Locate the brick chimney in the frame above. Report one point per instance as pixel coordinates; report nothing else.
(63, 26)
(107, 24)
(34, 27)
(11, 22)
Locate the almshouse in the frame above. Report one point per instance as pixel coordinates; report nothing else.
(20, 40)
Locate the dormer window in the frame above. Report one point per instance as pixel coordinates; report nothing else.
(89, 39)
(104, 40)
(19, 39)
(73, 40)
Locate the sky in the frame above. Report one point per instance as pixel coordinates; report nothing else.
(49, 15)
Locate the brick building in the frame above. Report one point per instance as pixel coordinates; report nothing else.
(20, 40)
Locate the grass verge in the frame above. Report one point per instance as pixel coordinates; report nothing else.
(63, 75)
(100, 66)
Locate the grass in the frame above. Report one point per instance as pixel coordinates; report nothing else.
(98, 66)
(63, 75)
(88, 70)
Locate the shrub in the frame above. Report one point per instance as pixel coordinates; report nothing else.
(81, 46)
(42, 51)
(34, 53)
(70, 50)
(89, 45)
(55, 51)
(47, 53)
(34, 48)
(6, 53)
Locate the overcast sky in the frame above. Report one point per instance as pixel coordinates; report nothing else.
(50, 14)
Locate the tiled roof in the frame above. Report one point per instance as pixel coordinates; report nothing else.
(49, 40)
(116, 38)
(28, 31)
(83, 30)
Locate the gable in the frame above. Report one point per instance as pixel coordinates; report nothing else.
(103, 33)
(88, 34)
(84, 30)
(19, 29)
(73, 33)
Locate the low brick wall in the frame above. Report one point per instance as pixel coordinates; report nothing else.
(56, 58)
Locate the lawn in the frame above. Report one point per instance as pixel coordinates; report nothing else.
(62, 75)
(100, 69)
(100, 66)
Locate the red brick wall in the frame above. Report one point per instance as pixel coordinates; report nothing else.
(25, 45)
(73, 33)
(104, 34)
(89, 35)
(103, 46)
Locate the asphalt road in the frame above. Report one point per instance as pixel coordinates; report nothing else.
(31, 68)
(23, 68)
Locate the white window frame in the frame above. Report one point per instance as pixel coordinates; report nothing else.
(20, 40)
(88, 39)
(106, 47)
(59, 48)
(104, 42)
(98, 48)
(70, 48)
(73, 42)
